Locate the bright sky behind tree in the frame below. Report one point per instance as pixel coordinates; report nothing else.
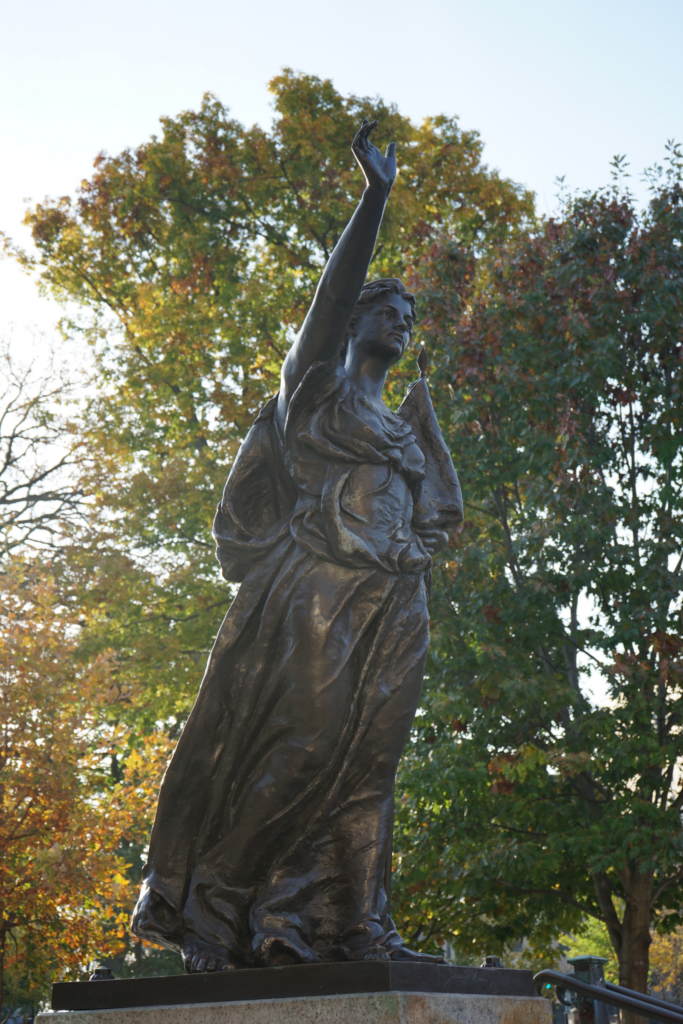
(553, 88)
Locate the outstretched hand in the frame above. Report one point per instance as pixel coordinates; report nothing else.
(379, 171)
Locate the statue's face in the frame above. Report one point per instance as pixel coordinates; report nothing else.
(383, 329)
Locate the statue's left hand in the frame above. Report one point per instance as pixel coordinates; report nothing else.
(433, 540)
(379, 171)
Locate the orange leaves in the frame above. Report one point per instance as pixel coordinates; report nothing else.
(666, 957)
(503, 786)
(501, 766)
(666, 644)
(62, 818)
(491, 613)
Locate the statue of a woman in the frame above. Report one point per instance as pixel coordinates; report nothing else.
(272, 838)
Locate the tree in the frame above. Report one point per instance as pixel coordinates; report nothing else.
(65, 894)
(666, 959)
(63, 761)
(191, 260)
(526, 805)
(39, 490)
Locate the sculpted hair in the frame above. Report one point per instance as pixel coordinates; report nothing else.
(372, 291)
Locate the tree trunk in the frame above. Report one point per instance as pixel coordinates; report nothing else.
(634, 956)
(3, 938)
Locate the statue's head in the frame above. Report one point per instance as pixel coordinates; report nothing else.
(382, 321)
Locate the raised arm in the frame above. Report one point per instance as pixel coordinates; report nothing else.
(326, 323)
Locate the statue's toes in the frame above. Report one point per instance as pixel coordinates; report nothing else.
(403, 953)
(218, 963)
(200, 957)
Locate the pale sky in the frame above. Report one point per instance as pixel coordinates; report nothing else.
(552, 88)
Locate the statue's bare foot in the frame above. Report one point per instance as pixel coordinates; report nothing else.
(281, 953)
(368, 953)
(376, 953)
(199, 957)
(403, 953)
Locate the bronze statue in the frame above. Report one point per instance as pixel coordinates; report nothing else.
(272, 838)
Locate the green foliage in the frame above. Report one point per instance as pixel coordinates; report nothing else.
(524, 807)
(592, 939)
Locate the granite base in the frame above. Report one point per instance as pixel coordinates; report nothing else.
(368, 1008)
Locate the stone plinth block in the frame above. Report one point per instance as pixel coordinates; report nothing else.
(369, 992)
(368, 1008)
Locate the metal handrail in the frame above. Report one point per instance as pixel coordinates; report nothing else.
(646, 1006)
(643, 996)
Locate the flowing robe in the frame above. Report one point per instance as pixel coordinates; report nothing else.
(272, 836)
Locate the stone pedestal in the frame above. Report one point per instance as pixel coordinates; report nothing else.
(367, 1008)
(368, 992)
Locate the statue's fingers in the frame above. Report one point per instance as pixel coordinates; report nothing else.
(361, 133)
(368, 126)
(391, 150)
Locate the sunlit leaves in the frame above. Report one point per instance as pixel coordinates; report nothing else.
(66, 816)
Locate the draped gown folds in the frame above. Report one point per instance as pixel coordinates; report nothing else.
(273, 830)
